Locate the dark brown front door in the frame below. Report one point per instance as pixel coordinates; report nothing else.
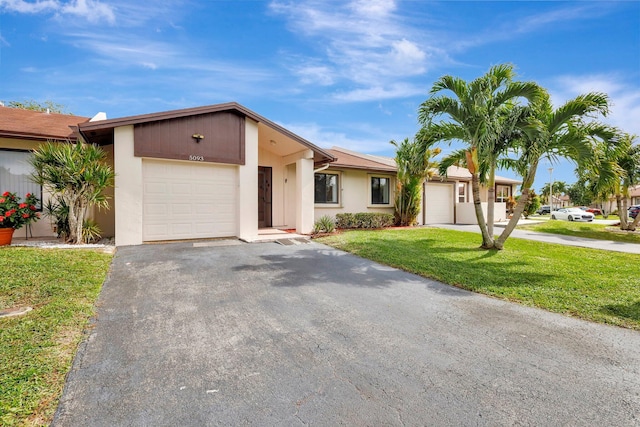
(264, 196)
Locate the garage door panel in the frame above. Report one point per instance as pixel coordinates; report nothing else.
(439, 203)
(188, 201)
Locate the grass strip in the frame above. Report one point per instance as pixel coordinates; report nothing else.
(585, 230)
(596, 285)
(37, 349)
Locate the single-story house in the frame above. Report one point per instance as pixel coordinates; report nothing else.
(223, 171)
(21, 131)
(214, 171)
(357, 182)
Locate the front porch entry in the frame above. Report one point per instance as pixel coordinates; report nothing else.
(264, 197)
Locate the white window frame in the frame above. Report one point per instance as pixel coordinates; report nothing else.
(27, 188)
(370, 191)
(465, 186)
(498, 197)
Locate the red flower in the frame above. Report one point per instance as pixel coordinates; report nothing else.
(33, 208)
(25, 215)
(2, 200)
(22, 205)
(1, 219)
(8, 214)
(5, 194)
(28, 195)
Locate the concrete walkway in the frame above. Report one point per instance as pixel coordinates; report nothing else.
(606, 245)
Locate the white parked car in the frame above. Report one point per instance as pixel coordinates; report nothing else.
(572, 214)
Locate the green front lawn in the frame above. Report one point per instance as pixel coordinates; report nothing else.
(596, 285)
(584, 229)
(36, 350)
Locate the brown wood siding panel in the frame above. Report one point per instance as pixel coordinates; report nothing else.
(223, 140)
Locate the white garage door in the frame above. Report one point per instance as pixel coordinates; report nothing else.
(439, 203)
(188, 200)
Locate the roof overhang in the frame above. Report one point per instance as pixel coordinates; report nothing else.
(101, 132)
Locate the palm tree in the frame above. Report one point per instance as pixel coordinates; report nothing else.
(615, 167)
(477, 114)
(553, 133)
(559, 187)
(413, 159)
(76, 174)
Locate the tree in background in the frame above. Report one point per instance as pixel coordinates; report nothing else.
(50, 106)
(579, 193)
(415, 165)
(76, 174)
(613, 170)
(559, 187)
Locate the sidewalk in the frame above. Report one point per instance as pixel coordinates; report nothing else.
(606, 245)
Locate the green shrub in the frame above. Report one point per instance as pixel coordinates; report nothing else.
(325, 224)
(364, 220)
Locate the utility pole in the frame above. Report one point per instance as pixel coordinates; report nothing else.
(551, 189)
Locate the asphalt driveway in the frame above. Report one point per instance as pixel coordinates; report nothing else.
(264, 334)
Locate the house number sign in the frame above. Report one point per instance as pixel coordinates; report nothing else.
(196, 158)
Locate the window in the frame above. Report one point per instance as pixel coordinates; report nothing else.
(380, 190)
(503, 192)
(15, 172)
(326, 188)
(462, 192)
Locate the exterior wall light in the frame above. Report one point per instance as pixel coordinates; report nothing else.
(197, 136)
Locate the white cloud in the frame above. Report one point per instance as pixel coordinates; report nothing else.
(530, 24)
(363, 42)
(325, 138)
(23, 6)
(391, 91)
(315, 74)
(93, 11)
(625, 96)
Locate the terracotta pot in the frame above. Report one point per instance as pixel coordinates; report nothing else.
(6, 234)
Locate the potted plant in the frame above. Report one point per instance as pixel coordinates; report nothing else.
(15, 214)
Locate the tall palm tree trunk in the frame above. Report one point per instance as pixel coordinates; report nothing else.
(487, 239)
(520, 206)
(491, 199)
(624, 224)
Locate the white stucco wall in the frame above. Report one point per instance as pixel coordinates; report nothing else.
(248, 185)
(466, 213)
(304, 193)
(128, 189)
(355, 194)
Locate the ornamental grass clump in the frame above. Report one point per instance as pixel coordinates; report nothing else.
(15, 214)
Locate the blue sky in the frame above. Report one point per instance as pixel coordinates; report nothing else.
(345, 73)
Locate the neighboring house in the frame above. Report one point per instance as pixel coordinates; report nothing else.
(354, 182)
(214, 171)
(563, 201)
(634, 195)
(449, 199)
(632, 200)
(357, 182)
(223, 171)
(21, 131)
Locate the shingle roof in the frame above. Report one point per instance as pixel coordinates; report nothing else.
(27, 124)
(351, 160)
